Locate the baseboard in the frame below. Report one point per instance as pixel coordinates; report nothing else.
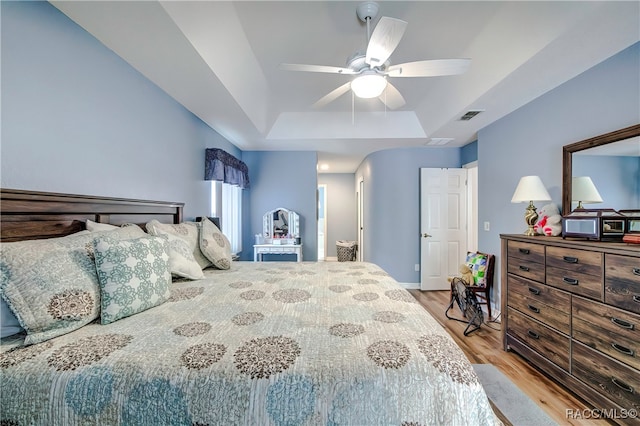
(410, 286)
(331, 258)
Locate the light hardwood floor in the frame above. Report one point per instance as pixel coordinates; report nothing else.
(484, 346)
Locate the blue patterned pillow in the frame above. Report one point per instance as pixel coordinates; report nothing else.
(50, 285)
(477, 262)
(134, 275)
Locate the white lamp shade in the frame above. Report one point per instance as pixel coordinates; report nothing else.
(583, 189)
(368, 85)
(530, 188)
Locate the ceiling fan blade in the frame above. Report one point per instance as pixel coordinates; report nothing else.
(316, 68)
(384, 40)
(332, 96)
(391, 97)
(429, 68)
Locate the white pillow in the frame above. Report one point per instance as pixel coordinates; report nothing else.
(188, 231)
(95, 226)
(215, 245)
(181, 260)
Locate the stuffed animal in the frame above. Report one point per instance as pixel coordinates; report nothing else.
(549, 221)
(465, 274)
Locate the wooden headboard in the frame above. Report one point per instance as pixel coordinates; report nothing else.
(28, 215)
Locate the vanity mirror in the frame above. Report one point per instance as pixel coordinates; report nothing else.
(281, 223)
(629, 137)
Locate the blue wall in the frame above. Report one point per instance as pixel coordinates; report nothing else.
(282, 179)
(76, 118)
(529, 141)
(392, 206)
(469, 152)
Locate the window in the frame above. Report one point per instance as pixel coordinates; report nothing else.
(226, 203)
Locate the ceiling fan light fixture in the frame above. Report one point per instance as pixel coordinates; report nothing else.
(369, 85)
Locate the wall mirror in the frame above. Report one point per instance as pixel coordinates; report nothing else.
(281, 223)
(614, 159)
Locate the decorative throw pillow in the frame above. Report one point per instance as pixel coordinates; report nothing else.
(188, 231)
(95, 226)
(215, 245)
(9, 324)
(181, 260)
(477, 262)
(134, 275)
(51, 285)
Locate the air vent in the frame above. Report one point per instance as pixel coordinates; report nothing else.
(470, 114)
(439, 141)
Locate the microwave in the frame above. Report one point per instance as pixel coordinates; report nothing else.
(599, 225)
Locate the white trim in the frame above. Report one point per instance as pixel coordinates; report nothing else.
(331, 259)
(410, 286)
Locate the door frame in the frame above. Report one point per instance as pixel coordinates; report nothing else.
(322, 205)
(360, 210)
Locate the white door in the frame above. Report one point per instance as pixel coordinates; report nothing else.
(443, 219)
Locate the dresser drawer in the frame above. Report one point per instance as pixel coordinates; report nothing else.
(575, 261)
(607, 329)
(622, 282)
(526, 251)
(616, 381)
(549, 343)
(574, 282)
(541, 293)
(554, 315)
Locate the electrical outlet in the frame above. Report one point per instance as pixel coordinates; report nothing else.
(417, 267)
(487, 226)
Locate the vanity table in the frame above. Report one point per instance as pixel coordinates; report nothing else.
(280, 235)
(260, 249)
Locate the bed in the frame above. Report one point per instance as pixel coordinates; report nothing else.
(274, 343)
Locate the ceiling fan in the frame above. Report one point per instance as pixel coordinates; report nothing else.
(373, 67)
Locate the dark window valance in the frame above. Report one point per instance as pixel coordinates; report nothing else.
(220, 165)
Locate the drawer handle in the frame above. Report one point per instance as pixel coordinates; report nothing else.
(570, 259)
(636, 271)
(524, 268)
(636, 298)
(622, 385)
(622, 349)
(537, 292)
(533, 334)
(524, 251)
(534, 309)
(622, 323)
(570, 281)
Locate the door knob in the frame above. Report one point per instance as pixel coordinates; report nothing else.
(425, 235)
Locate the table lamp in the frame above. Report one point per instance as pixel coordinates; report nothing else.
(530, 189)
(584, 191)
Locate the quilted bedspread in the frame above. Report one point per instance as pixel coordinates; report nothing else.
(274, 343)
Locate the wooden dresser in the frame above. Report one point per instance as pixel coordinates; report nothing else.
(572, 308)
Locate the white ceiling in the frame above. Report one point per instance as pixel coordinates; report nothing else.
(220, 60)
